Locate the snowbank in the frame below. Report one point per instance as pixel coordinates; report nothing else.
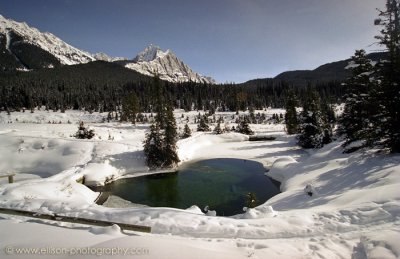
(355, 212)
(97, 174)
(279, 169)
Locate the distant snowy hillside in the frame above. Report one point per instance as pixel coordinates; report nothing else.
(20, 40)
(104, 57)
(166, 64)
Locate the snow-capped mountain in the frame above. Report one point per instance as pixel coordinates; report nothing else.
(153, 61)
(104, 57)
(19, 33)
(23, 47)
(148, 54)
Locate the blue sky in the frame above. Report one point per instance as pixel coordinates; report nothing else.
(229, 40)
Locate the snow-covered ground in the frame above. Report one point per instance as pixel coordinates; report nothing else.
(354, 211)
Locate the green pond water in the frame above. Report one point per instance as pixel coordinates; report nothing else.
(220, 184)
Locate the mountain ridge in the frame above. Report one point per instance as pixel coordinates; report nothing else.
(27, 35)
(332, 71)
(153, 61)
(23, 47)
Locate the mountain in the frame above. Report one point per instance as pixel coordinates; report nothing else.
(334, 71)
(104, 57)
(25, 47)
(154, 61)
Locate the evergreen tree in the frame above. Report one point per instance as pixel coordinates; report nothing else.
(130, 107)
(244, 127)
(153, 147)
(329, 112)
(355, 121)
(170, 138)
(388, 121)
(83, 132)
(291, 114)
(314, 130)
(160, 144)
(186, 131)
(227, 128)
(159, 102)
(203, 126)
(217, 129)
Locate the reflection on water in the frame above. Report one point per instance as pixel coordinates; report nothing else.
(221, 184)
(162, 189)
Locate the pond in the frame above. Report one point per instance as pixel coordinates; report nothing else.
(220, 184)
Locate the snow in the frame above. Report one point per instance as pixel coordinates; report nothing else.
(352, 65)
(149, 62)
(354, 213)
(67, 54)
(153, 61)
(149, 54)
(8, 40)
(104, 57)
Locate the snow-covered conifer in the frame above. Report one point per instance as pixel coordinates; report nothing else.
(217, 130)
(388, 73)
(314, 131)
(203, 126)
(186, 131)
(291, 114)
(83, 132)
(355, 122)
(153, 147)
(244, 127)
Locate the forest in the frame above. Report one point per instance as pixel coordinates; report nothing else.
(101, 86)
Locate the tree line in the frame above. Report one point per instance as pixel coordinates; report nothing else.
(372, 112)
(103, 87)
(371, 116)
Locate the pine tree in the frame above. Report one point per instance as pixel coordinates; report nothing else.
(329, 112)
(217, 130)
(159, 102)
(170, 138)
(355, 121)
(186, 131)
(203, 126)
(314, 130)
(291, 114)
(130, 107)
(160, 144)
(388, 122)
(244, 127)
(227, 128)
(83, 132)
(153, 147)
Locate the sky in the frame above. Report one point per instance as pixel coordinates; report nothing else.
(229, 40)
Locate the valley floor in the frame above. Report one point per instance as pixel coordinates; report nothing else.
(354, 212)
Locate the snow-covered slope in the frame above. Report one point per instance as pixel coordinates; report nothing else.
(166, 64)
(354, 211)
(104, 57)
(64, 52)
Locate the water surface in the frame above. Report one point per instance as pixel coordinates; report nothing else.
(220, 184)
